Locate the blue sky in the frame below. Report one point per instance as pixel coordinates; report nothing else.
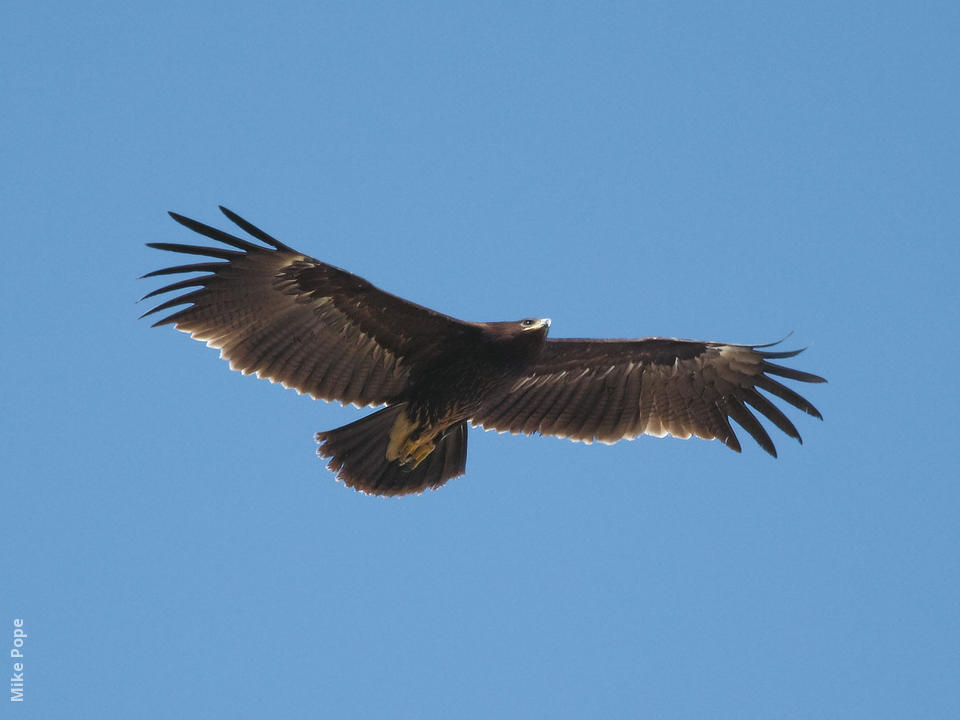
(724, 171)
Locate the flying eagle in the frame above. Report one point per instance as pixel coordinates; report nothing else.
(323, 331)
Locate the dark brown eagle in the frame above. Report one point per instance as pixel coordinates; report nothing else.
(323, 331)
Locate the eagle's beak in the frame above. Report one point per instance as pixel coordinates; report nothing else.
(545, 322)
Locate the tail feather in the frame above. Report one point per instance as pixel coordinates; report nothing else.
(358, 456)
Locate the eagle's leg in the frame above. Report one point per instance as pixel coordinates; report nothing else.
(416, 454)
(410, 443)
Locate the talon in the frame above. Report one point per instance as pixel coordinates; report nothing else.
(420, 453)
(410, 444)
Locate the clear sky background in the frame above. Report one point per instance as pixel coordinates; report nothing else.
(724, 171)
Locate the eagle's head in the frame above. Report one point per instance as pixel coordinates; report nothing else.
(534, 324)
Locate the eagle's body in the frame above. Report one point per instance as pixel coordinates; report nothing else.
(323, 331)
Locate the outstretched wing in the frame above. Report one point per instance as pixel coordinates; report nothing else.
(295, 320)
(609, 390)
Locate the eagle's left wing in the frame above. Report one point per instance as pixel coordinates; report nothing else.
(292, 319)
(609, 390)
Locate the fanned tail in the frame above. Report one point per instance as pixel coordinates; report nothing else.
(358, 456)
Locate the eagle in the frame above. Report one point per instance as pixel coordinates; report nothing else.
(285, 316)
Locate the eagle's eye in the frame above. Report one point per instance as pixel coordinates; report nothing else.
(528, 322)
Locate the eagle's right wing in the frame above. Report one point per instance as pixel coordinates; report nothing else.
(609, 390)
